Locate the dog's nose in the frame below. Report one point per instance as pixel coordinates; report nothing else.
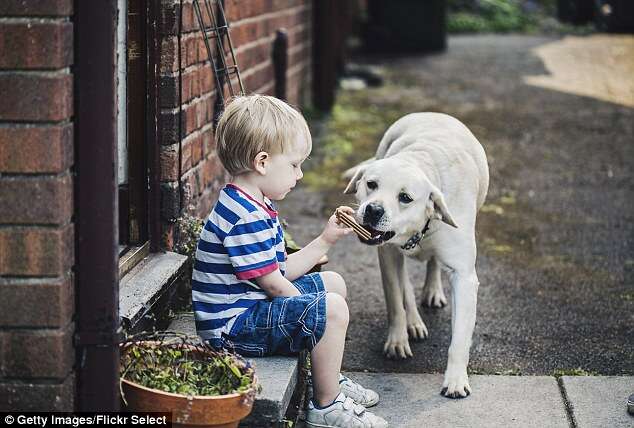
(373, 213)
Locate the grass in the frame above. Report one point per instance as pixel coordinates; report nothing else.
(573, 372)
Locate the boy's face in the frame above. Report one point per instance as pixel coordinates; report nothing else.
(284, 170)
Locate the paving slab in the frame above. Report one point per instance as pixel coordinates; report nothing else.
(413, 400)
(599, 401)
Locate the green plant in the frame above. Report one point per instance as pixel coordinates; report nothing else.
(573, 372)
(498, 16)
(185, 370)
(188, 229)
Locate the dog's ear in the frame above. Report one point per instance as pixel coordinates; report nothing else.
(441, 208)
(352, 185)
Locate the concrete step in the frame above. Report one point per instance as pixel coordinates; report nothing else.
(277, 375)
(146, 291)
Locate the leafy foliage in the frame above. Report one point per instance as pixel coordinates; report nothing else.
(497, 16)
(189, 228)
(185, 370)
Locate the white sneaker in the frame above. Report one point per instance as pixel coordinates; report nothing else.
(364, 396)
(343, 413)
(360, 395)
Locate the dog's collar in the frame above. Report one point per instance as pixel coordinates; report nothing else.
(415, 239)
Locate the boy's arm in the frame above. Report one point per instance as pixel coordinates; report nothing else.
(275, 285)
(300, 262)
(297, 264)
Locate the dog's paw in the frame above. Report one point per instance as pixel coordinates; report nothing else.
(397, 345)
(456, 384)
(434, 298)
(416, 328)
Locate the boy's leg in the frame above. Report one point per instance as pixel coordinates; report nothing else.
(334, 283)
(327, 355)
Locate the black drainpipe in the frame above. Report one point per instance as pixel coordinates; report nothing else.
(280, 62)
(96, 218)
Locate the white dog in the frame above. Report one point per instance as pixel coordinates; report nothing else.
(419, 197)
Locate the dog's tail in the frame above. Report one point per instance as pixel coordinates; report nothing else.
(349, 173)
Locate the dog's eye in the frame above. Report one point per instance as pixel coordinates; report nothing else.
(404, 198)
(372, 185)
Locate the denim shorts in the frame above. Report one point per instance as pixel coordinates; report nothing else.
(283, 325)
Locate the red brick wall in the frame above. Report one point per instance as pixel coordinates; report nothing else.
(191, 174)
(36, 194)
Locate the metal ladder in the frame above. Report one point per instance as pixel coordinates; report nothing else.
(219, 30)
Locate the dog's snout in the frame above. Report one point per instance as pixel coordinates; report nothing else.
(373, 213)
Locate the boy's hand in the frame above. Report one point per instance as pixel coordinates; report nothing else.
(335, 230)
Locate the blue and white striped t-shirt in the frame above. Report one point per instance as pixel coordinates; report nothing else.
(242, 240)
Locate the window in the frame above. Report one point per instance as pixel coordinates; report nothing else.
(132, 144)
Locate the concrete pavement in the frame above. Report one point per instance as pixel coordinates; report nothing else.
(413, 401)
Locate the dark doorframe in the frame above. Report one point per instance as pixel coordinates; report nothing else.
(96, 213)
(153, 130)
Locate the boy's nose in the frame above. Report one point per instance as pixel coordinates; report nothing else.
(300, 174)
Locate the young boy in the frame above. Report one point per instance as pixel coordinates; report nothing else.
(247, 294)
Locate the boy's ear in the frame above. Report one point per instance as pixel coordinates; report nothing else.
(260, 162)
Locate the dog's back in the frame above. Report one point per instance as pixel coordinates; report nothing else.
(443, 137)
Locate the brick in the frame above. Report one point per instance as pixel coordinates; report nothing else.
(34, 96)
(191, 182)
(206, 78)
(36, 7)
(255, 55)
(169, 162)
(237, 9)
(169, 89)
(209, 142)
(189, 116)
(186, 153)
(197, 148)
(201, 113)
(212, 170)
(260, 77)
(189, 19)
(36, 251)
(195, 82)
(169, 55)
(39, 200)
(167, 236)
(197, 114)
(38, 397)
(45, 353)
(43, 302)
(168, 22)
(209, 110)
(36, 149)
(170, 201)
(170, 123)
(191, 49)
(36, 45)
(202, 205)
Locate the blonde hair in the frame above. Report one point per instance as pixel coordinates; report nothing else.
(257, 123)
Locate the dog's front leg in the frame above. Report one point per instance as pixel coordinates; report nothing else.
(391, 262)
(464, 300)
(416, 328)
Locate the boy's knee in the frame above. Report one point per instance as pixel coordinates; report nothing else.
(335, 283)
(337, 309)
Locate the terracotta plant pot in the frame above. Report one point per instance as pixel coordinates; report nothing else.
(220, 411)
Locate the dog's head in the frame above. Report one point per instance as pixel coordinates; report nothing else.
(395, 200)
